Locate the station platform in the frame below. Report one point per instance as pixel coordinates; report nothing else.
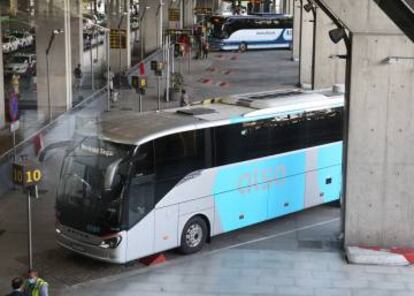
(296, 255)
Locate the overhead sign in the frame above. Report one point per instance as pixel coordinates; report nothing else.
(203, 10)
(26, 174)
(118, 39)
(174, 15)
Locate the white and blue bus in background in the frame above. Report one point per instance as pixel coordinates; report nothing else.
(251, 32)
(149, 182)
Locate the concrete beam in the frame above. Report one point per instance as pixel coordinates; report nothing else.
(361, 16)
(2, 105)
(402, 13)
(52, 16)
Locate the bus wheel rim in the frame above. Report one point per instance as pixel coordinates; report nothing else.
(194, 235)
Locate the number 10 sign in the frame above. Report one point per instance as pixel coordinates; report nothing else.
(27, 174)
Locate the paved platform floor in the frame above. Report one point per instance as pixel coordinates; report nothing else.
(294, 255)
(302, 261)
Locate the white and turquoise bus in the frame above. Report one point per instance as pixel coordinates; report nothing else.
(251, 32)
(155, 181)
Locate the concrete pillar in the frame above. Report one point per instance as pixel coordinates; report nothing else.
(305, 48)
(2, 106)
(328, 69)
(150, 29)
(296, 29)
(380, 173)
(76, 32)
(289, 6)
(188, 14)
(13, 8)
(50, 16)
(165, 19)
(379, 160)
(119, 21)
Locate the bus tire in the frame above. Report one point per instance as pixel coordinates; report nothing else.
(243, 47)
(194, 235)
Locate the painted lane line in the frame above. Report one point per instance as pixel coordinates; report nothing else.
(184, 260)
(274, 236)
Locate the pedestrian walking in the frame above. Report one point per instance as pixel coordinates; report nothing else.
(111, 76)
(184, 100)
(206, 48)
(35, 286)
(77, 73)
(18, 287)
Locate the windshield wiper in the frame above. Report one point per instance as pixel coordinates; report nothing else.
(89, 186)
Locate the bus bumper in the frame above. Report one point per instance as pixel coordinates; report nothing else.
(92, 248)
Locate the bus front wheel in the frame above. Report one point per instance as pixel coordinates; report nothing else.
(194, 235)
(243, 47)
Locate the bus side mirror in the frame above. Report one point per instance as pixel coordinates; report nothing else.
(110, 174)
(140, 156)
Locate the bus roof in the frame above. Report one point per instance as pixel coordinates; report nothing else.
(138, 128)
(253, 16)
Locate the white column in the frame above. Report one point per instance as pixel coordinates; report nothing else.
(51, 16)
(2, 107)
(150, 23)
(328, 69)
(76, 32)
(119, 19)
(305, 48)
(296, 29)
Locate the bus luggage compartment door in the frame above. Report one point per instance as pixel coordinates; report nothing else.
(166, 221)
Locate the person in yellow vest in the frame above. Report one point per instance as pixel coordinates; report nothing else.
(35, 286)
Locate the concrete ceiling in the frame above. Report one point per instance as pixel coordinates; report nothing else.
(362, 16)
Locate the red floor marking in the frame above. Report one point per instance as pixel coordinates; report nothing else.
(154, 259)
(205, 80)
(408, 253)
(222, 84)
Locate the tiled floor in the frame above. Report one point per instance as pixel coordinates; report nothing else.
(273, 266)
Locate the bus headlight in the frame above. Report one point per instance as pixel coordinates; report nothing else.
(111, 243)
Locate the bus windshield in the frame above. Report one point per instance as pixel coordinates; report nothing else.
(90, 194)
(217, 23)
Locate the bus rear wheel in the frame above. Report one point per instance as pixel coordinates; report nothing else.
(243, 47)
(194, 235)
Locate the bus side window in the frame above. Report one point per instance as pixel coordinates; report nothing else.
(288, 134)
(141, 189)
(177, 156)
(241, 142)
(325, 128)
